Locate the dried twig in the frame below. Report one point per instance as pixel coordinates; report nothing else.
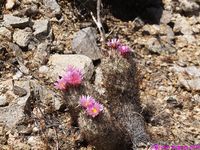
(98, 22)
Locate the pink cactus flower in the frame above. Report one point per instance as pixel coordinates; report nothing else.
(94, 109)
(123, 49)
(86, 101)
(114, 43)
(73, 76)
(61, 84)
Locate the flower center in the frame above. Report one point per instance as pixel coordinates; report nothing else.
(94, 110)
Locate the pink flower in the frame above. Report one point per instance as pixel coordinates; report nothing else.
(86, 101)
(73, 76)
(114, 43)
(61, 84)
(94, 109)
(123, 49)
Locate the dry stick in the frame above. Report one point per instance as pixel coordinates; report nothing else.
(98, 23)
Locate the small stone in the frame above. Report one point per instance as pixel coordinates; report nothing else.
(32, 11)
(166, 17)
(10, 4)
(43, 69)
(19, 91)
(181, 41)
(18, 75)
(3, 101)
(183, 26)
(4, 32)
(41, 29)
(59, 63)
(84, 42)
(36, 142)
(35, 129)
(22, 37)
(41, 54)
(53, 6)
(196, 98)
(16, 22)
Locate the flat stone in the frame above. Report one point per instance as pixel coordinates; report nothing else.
(191, 85)
(59, 63)
(16, 22)
(53, 6)
(155, 46)
(41, 29)
(22, 37)
(84, 43)
(192, 71)
(4, 32)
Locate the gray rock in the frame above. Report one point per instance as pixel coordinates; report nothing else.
(59, 63)
(41, 29)
(53, 6)
(4, 32)
(192, 71)
(159, 46)
(16, 22)
(191, 85)
(41, 54)
(3, 101)
(22, 37)
(84, 42)
(14, 113)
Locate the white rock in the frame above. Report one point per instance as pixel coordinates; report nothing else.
(59, 63)
(3, 100)
(36, 142)
(10, 4)
(43, 69)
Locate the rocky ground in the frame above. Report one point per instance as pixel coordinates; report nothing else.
(40, 38)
